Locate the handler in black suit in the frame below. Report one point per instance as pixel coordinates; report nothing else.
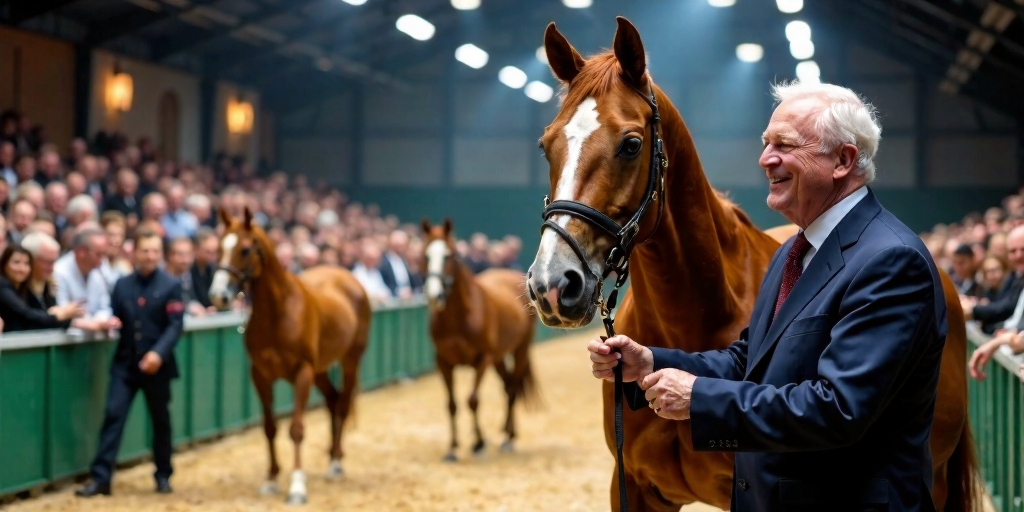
(149, 305)
(829, 393)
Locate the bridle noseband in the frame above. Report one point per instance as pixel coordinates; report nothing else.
(618, 258)
(243, 279)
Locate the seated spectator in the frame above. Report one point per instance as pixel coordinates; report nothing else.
(178, 222)
(1008, 307)
(21, 314)
(44, 250)
(200, 207)
(330, 256)
(366, 270)
(23, 212)
(207, 245)
(309, 255)
(286, 255)
(124, 197)
(81, 208)
(993, 274)
(964, 271)
(180, 257)
(71, 271)
(55, 201)
(393, 268)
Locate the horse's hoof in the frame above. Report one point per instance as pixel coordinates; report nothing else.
(480, 449)
(296, 499)
(269, 488)
(334, 470)
(507, 447)
(450, 457)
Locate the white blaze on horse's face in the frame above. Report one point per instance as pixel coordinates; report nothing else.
(437, 251)
(579, 128)
(221, 278)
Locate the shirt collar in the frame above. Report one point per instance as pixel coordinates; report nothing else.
(823, 226)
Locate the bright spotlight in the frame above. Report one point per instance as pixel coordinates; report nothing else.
(808, 72)
(790, 6)
(415, 27)
(749, 52)
(354, 2)
(512, 77)
(464, 5)
(801, 49)
(539, 91)
(577, 4)
(471, 55)
(721, 3)
(542, 55)
(798, 31)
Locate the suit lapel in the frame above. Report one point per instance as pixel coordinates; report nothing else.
(771, 292)
(825, 264)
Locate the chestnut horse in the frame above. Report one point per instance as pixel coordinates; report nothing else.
(478, 321)
(299, 327)
(694, 277)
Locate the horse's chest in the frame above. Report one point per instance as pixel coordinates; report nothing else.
(457, 349)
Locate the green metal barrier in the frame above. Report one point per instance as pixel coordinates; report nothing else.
(997, 418)
(53, 389)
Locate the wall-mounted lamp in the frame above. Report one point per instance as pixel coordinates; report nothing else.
(240, 116)
(119, 90)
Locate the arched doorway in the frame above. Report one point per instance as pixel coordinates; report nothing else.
(169, 121)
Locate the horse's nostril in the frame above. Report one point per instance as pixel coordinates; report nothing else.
(571, 286)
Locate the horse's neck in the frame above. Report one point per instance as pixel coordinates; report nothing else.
(700, 264)
(271, 290)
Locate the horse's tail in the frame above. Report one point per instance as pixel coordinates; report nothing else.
(364, 312)
(962, 475)
(524, 384)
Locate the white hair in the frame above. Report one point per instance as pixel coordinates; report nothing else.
(197, 201)
(846, 119)
(37, 240)
(82, 203)
(326, 218)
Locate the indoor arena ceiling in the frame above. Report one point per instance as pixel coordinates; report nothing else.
(973, 47)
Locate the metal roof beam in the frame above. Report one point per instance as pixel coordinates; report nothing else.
(19, 11)
(162, 52)
(949, 17)
(133, 22)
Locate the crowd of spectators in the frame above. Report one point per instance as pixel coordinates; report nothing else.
(984, 256)
(68, 215)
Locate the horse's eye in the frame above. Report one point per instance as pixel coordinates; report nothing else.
(631, 147)
(245, 251)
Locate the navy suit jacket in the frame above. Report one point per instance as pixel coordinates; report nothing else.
(829, 406)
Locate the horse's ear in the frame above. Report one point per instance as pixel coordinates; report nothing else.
(224, 217)
(425, 224)
(564, 60)
(629, 51)
(248, 218)
(447, 226)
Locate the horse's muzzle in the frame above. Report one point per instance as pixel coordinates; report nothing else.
(564, 296)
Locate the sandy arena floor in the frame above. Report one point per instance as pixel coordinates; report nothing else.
(393, 455)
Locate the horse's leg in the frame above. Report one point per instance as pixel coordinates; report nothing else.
(265, 390)
(349, 384)
(323, 383)
(474, 401)
(302, 385)
(510, 392)
(519, 384)
(449, 383)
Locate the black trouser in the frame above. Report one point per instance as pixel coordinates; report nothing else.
(119, 400)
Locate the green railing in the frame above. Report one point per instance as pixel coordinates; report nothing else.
(997, 418)
(53, 388)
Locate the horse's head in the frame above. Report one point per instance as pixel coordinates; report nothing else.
(439, 254)
(241, 258)
(606, 172)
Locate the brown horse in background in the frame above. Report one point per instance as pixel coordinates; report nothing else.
(299, 327)
(478, 321)
(693, 280)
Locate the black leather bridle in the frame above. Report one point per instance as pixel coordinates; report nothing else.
(618, 258)
(447, 280)
(243, 278)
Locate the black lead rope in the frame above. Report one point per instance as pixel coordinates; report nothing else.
(618, 258)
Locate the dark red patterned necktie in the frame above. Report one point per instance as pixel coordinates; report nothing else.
(794, 267)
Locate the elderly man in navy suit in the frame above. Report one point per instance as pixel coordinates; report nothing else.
(827, 397)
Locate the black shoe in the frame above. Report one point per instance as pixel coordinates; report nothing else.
(163, 486)
(93, 489)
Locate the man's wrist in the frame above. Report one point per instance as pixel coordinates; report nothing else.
(647, 363)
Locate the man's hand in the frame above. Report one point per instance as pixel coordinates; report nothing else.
(114, 323)
(668, 392)
(150, 362)
(637, 360)
(968, 303)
